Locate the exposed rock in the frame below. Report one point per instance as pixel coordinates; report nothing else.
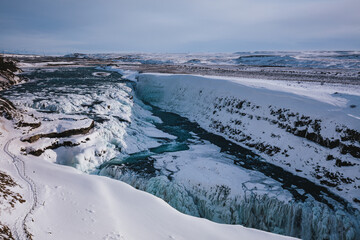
(7, 196)
(63, 134)
(5, 232)
(294, 123)
(55, 145)
(121, 119)
(341, 163)
(31, 125)
(8, 70)
(7, 109)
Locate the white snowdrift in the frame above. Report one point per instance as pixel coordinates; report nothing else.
(126, 74)
(74, 205)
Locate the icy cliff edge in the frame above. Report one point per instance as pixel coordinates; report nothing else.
(309, 129)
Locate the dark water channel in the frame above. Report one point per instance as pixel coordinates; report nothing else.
(182, 128)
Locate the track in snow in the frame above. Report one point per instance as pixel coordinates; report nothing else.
(21, 232)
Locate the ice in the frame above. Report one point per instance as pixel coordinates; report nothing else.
(203, 182)
(200, 180)
(247, 112)
(122, 126)
(101, 74)
(102, 208)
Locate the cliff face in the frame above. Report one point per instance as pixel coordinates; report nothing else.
(8, 71)
(312, 133)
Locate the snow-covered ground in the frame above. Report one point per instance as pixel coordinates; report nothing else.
(42, 64)
(308, 129)
(63, 202)
(203, 182)
(193, 175)
(73, 205)
(300, 59)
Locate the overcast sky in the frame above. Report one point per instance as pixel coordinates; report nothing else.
(62, 26)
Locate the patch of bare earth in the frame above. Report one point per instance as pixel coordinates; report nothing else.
(8, 197)
(5, 232)
(6, 194)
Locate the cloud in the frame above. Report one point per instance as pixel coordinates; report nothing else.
(179, 26)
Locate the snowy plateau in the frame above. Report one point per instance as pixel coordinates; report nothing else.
(104, 152)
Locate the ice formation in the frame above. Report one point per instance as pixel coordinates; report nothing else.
(194, 176)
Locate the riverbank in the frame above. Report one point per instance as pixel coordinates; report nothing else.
(311, 131)
(99, 207)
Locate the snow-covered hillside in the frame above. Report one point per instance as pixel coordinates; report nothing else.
(309, 129)
(68, 204)
(295, 147)
(83, 124)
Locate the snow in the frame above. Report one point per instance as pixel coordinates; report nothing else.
(314, 90)
(101, 74)
(41, 64)
(128, 126)
(57, 124)
(20, 55)
(300, 59)
(204, 165)
(156, 133)
(202, 172)
(101, 208)
(210, 100)
(126, 74)
(74, 205)
(204, 182)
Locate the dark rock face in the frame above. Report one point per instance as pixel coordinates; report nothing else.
(121, 119)
(10, 112)
(7, 109)
(31, 125)
(341, 163)
(294, 123)
(63, 134)
(55, 145)
(336, 139)
(8, 69)
(8, 65)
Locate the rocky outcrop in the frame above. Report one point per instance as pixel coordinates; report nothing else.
(5, 232)
(7, 109)
(10, 112)
(27, 124)
(55, 145)
(8, 70)
(292, 122)
(7, 196)
(63, 134)
(337, 137)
